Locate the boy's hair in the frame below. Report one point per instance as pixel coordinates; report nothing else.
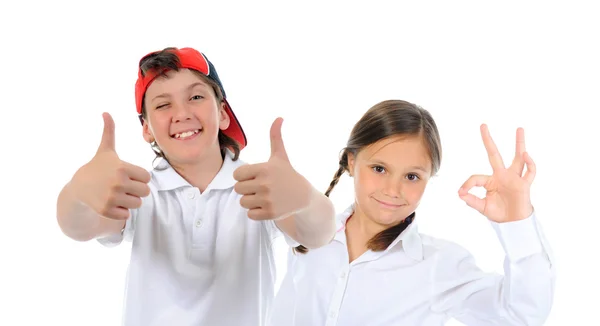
(163, 61)
(387, 119)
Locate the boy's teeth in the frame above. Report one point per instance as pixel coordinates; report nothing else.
(185, 134)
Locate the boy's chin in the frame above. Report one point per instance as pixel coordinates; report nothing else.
(189, 157)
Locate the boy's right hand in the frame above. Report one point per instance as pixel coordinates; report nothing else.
(108, 185)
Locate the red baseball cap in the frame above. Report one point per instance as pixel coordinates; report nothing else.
(191, 59)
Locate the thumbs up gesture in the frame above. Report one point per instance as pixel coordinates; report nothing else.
(108, 185)
(272, 190)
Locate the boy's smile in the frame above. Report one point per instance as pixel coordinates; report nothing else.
(188, 134)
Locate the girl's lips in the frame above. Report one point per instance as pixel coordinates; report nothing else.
(386, 204)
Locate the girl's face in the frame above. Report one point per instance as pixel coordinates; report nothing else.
(183, 117)
(390, 177)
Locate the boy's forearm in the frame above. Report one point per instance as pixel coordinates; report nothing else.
(314, 226)
(76, 220)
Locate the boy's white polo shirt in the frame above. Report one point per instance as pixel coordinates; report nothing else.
(197, 259)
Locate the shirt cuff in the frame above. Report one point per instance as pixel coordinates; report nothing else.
(125, 234)
(520, 239)
(111, 240)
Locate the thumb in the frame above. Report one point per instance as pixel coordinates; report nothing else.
(472, 201)
(108, 135)
(277, 147)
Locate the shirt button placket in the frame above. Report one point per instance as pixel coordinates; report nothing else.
(338, 295)
(191, 194)
(197, 222)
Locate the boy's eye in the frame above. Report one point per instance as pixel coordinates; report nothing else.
(162, 106)
(197, 97)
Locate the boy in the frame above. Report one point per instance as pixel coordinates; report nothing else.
(201, 242)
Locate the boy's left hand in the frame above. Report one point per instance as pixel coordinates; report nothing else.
(508, 190)
(272, 190)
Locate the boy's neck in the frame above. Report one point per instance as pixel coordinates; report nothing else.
(201, 173)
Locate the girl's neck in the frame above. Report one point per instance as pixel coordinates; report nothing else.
(362, 226)
(359, 230)
(200, 174)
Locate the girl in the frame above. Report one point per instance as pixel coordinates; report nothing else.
(379, 270)
(197, 259)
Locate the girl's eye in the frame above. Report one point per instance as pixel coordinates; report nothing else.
(412, 177)
(379, 169)
(197, 97)
(162, 106)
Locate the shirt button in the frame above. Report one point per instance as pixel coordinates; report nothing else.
(191, 195)
(198, 223)
(332, 314)
(343, 275)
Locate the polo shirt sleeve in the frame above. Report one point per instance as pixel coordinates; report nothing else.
(275, 232)
(126, 234)
(129, 230)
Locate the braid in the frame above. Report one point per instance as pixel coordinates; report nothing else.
(384, 239)
(336, 178)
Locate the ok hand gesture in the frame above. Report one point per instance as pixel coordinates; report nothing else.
(507, 189)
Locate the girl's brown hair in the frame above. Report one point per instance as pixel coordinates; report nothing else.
(387, 119)
(165, 61)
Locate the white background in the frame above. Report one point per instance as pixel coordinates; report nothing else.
(319, 66)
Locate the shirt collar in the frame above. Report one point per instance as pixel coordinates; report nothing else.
(168, 179)
(409, 239)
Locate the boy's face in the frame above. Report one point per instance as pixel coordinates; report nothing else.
(183, 117)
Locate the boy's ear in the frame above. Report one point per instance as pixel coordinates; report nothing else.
(223, 117)
(147, 133)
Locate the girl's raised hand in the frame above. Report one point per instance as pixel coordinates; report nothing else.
(507, 189)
